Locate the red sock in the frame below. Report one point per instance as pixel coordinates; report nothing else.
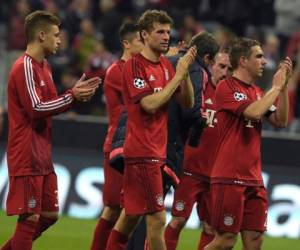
(171, 237)
(205, 240)
(7, 245)
(43, 224)
(101, 234)
(23, 237)
(117, 241)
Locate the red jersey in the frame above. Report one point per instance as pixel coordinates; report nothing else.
(114, 101)
(238, 157)
(146, 134)
(32, 100)
(198, 161)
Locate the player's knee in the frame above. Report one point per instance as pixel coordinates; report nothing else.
(156, 221)
(50, 215)
(253, 241)
(30, 217)
(111, 213)
(178, 222)
(226, 241)
(208, 229)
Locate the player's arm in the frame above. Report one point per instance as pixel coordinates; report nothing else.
(30, 95)
(151, 103)
(185, 97)
(259, 108)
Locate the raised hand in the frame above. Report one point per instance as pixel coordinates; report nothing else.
(85, 89)
(185, 61)
(282, 75)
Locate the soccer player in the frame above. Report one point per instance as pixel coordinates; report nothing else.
(239, 199)
(197, 162)
(131, 44)
(149, 83)
(32, 100)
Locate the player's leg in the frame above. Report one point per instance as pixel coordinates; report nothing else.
(24, 199)
(185, 197)
(50, 205)
(222, 241)
(255, 218)
(207, 235)
(135, 205)
(111, 200)
(204, 212)
(155, 224)
(227, 215)
(252, 240)
(122, 231)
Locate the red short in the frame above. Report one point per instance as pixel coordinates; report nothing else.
(191, 190)
(113, 183)
(143, 189)
(32, 194)
(237, 208)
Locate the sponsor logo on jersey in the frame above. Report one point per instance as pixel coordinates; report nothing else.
(160, 199)
(151, 78)
(139, 83)
(42, 83)
(179, 205)
(239, 96)
(32, 203)
(228, 220)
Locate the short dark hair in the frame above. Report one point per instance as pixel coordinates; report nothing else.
(127, 30)
(149, 17)
(39, 20)
(206, 44)
(240, 46)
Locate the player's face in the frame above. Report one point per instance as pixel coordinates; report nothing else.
(158, 39)
(136, 44)
(52, 40)
(256, 62)
(220, 68)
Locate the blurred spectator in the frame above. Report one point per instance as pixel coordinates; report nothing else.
(77, 11)
(271, 52)
(293, 45)
(85, 42)
(224, 36)
(108, 23)
(99, 61)
(63, 60)
(189, 28)
(287, 19)
(96, 65)
(16, 32)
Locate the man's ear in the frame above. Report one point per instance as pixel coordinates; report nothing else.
(207, 60)
(41, 35)
(144, 34)
(125, 44)
(242, 61)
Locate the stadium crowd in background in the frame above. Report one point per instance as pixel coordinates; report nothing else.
(151, 81)
(90, 37)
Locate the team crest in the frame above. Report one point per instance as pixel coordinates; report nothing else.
(32, 203)
(228, 220)
(239, 96)
(160, 199)
(179, 205)
(139, 83)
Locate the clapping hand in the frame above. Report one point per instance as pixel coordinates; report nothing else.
(84, 89)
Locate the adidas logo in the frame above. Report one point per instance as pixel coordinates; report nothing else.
(151, 78)
(208, 101)
(42, 83)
